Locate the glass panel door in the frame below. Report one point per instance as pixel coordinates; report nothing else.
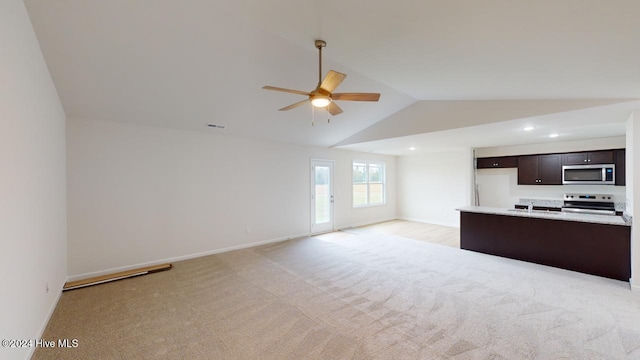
(321, 196)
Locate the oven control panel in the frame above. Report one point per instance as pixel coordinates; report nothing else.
(588, 197)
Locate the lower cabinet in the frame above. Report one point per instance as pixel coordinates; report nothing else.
(597, 249)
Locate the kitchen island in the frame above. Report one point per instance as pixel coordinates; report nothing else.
(593, 244)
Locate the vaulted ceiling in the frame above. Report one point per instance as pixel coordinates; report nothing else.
(185, 64)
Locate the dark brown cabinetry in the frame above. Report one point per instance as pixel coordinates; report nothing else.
(619, 161)
(540, 169)
(588, 158)
(598, 249)
(546, 169)
(497, 162)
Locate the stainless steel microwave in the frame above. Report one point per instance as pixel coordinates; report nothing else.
(589, 174)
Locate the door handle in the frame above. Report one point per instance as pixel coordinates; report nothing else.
(332, 199)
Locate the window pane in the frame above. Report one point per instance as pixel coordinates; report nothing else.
(368, 183)
(359, 194)
(322, 175)
(375, 173)
(359, 173)
(376, 193)
(323, 197)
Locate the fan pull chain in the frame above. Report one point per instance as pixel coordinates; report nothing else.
(313, 116)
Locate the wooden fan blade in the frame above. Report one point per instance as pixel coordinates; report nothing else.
(356, 96)
(334, 109)
(286, 90)
(332, 80)
(299, 103)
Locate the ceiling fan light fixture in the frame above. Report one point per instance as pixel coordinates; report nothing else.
(323, 95)
(320, 101)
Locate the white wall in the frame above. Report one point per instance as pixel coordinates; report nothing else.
(432, 186)
(427, 116)
(630, 158)
(617, 142)
(32, 184)
(499, 187)
(139, 194)
(633, 196)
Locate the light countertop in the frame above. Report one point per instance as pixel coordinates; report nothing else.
(553, 215)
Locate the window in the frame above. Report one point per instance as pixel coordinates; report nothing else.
(368, 183)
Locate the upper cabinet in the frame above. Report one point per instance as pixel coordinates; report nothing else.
(497, 162)
(546, 169)
(588, 158)
(619, 161)
(540, 169)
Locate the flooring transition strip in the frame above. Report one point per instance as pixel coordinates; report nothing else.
(70, 285)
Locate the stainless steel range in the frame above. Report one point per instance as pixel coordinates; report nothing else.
(589, 204)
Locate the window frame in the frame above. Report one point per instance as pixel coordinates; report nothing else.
(383, 182)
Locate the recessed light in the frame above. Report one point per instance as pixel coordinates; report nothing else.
(412, 148)
(553, 135)
(528, 128)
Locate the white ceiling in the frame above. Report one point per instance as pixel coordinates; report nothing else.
(601, 122)
(183, 64)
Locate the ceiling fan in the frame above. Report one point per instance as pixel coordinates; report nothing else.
(323, 95)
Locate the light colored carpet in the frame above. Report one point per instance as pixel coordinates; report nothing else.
(360, 295)
(436, 234)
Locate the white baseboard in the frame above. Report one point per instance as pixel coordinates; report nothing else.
(365, 223)
(238, 247)
(43, 327)
(180, 258)
(428, 221)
